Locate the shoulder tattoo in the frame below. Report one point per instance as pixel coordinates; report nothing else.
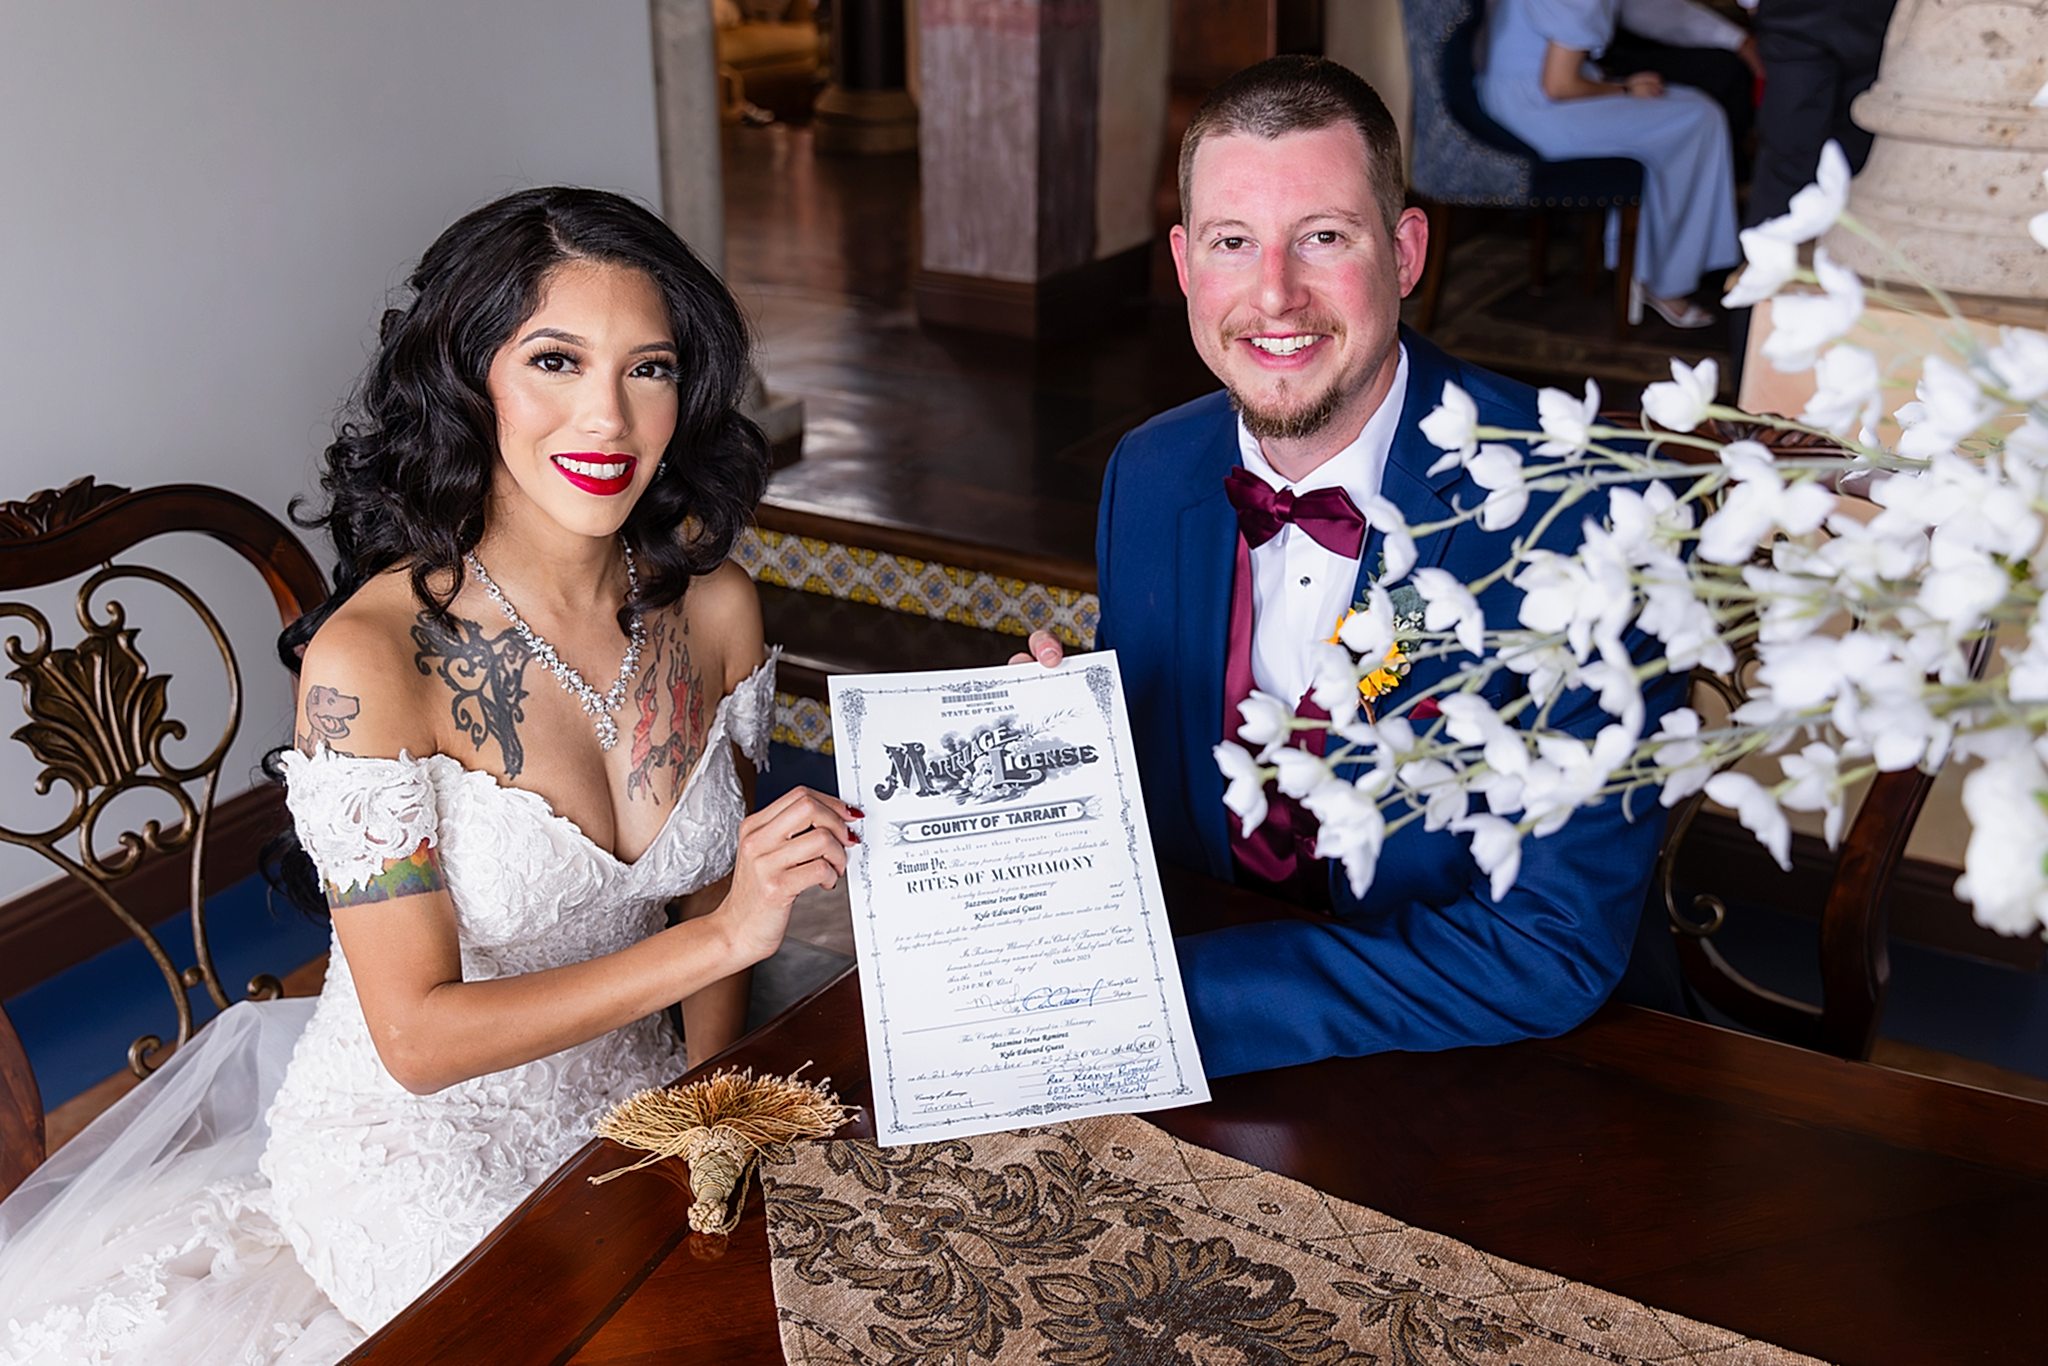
(328, 713)
(486, 675)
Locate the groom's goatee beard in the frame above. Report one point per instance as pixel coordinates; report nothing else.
(1267, 425)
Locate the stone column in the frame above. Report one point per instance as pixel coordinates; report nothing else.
(693, 176)
(866, 110)
(1955, 172)
(1012, 160)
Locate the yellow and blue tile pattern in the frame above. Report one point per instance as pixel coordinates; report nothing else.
(970, 597)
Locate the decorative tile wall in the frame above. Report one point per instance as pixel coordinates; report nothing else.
(971, 597)
(802, 722)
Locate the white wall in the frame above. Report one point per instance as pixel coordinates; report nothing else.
(205, 205)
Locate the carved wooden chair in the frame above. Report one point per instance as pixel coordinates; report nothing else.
(98, 720)
(21, 1112)
(1855, 921)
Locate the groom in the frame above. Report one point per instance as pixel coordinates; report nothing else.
(1225, 551)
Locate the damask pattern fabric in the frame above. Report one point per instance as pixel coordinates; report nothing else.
(1109, 1241)
(243, 1208)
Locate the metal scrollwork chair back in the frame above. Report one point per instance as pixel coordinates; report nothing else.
(1855, 922)
(98, 718)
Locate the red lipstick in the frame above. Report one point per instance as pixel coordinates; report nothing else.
(596, 483)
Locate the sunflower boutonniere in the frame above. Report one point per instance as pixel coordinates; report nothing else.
(1408, 608)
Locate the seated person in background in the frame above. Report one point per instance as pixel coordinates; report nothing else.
(1295, 252)
(1540, 83)
(1686, 43)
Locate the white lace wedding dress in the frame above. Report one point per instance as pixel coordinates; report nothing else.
(272, 1195)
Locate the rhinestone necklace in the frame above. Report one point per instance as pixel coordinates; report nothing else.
(599, 706)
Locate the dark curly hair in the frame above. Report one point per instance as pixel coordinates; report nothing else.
(408, 475)
(410, 469)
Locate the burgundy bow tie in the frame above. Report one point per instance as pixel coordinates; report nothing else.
(1329, 516)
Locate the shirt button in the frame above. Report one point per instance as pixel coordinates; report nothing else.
(1304, 580)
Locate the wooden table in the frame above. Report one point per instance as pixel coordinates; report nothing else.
(1835, 1208)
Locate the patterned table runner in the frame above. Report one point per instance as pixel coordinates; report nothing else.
(1108, 1241)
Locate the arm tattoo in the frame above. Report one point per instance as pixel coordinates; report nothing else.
(417, 873)
(668, 672)
(327, 716)
(486, 676)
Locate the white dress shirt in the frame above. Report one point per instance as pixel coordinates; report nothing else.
(1300, 591)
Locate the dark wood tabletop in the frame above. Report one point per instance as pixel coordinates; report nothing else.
(1835, 1208)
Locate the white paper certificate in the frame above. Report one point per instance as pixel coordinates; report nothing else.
(1016, 964)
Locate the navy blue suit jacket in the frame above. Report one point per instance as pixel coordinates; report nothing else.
(1428, 959)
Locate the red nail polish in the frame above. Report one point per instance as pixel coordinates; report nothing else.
(853, 837)
(856, 813)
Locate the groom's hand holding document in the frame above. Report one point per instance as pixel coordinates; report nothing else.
(1016, 964)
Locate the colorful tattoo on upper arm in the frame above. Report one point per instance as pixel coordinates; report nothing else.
(417, 873)
(487, 674)
(328, 713)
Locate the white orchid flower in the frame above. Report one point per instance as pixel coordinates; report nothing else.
(1496, 848)
(1814, 209)
(1498, 470)
(1677, 749)
(1549, 667)
(1268, 722)
(1953, 406)
(1961, 586)
(2005, 866)
(1759, 503)
(1300, 772)
(1681, 402)
(2026, 670)
(1758, 811)
(1245, 794)
(1567, 421)
(1451, 608)
(1771, 264)
(1349, 826)
(1452, 427)
(1569, 773)
(2020, 360)
(1471, 720)
(1816, 774)
(1369, 632)
(1613, 678)
(1801, 324)
(1335, 686)
(1846, 390)
(1686, 626)
(1397, 547)
(1442, 791)
(1647, 525)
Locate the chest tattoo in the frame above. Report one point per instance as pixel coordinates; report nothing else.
(487, 676)
(672, 743)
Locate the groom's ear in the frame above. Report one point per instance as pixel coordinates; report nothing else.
(1177, 239)
(1411, 248)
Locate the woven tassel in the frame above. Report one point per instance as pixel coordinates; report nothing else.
(719, 1126)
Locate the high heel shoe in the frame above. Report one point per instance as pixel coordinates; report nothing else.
(1683, 314)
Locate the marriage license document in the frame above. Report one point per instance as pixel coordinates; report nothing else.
(1016, 964)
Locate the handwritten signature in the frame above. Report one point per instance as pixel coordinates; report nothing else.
(1060, 998)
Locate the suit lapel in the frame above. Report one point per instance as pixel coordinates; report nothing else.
(1205, 558)
(1406, 482)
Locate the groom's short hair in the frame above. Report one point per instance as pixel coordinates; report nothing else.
(1294, 94)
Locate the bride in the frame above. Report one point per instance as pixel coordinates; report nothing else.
(508, 764)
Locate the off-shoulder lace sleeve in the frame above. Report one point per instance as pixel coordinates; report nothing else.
(356, 815)
(751, 716)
